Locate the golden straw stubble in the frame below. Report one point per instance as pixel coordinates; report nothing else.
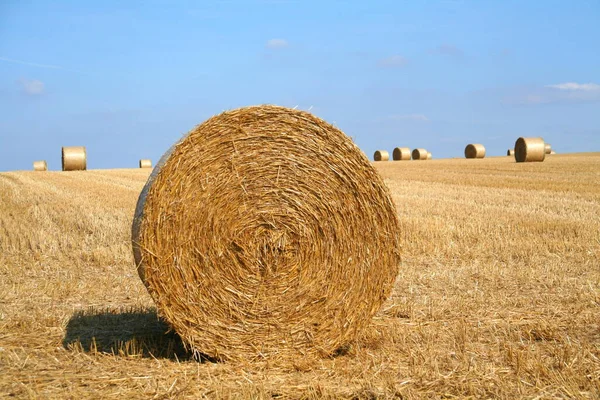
(74, 158)
(381, 155)
(266, 233)
(530, 149)
(475, 151)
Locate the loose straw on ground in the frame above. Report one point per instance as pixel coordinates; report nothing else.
(74, 158)
(266, 233)
(530, 149)
(475, 151)
(381, 155)
(145, 163)
(40, 165)
(401, 154)
(419, 154)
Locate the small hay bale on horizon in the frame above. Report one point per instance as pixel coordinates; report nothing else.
(475, 150)
(381, 155)
(419, 154)
(74, 158)
(552, 152)
(429, 155)
(401, 154)
(548, 148)
(40, 165)
(510, 152)
(145, 163)
(265, 233)
(532, 149)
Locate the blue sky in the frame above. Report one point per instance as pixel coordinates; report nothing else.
(127, 79)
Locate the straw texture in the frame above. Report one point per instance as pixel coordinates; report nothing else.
(548, 148)
(475, 151)
(530, 149)
(40, 165)
(419, 154)
(401, 154)
(266, 233)
(74, 158)
(145, 163)
(381, 155)
(510, 152)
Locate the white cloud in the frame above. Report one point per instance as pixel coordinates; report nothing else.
(395, 61)
(410, 117)
(277, 43)
(575, 86)
(32, 87)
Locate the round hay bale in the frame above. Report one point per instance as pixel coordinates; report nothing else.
(429, 156)
(381, 155)
(401, 154)
(145, 163)
(552, 152)
(475, 151)
(419, 154)
(74, 158)
(548, 148)
(510, 152)
(530, 149)
(40, 165)
(266, 233)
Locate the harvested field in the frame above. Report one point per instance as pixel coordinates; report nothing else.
(498, 293)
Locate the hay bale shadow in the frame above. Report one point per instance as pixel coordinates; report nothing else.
(125, 332)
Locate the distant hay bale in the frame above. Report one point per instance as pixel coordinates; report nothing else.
(401, 154)
(419, 154)
(74, 158)
(475, 151)
(552, 152)
(548, 148)
(530, 149)
(266, 233)
(40, 165)
(145, 163)
(510, 152)
(429, 156)
(381, 155)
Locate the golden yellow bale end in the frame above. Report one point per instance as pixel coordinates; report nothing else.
(145, 163)
(530, 149)
(381, 155)
(40, 165)
(419, 154)
(74, 158)
(475, 151)
(401, 154)
(265, 233)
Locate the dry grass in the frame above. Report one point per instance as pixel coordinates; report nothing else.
(498, 294)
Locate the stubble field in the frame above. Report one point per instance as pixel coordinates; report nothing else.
(498, 294)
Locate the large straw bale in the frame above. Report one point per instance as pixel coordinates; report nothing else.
(401, 154)
(40, 165)
(145, 163)
(548, 148)
(381, 155)
(266, 233)
(475, 151)
(419, 154)
(74, 158)
(530, 149)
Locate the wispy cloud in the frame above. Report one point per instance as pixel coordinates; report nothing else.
(277, 43)
(409, 117)
(573, 86)
(395, 61)
(32, 87)
(31, 64)
(449, 50)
